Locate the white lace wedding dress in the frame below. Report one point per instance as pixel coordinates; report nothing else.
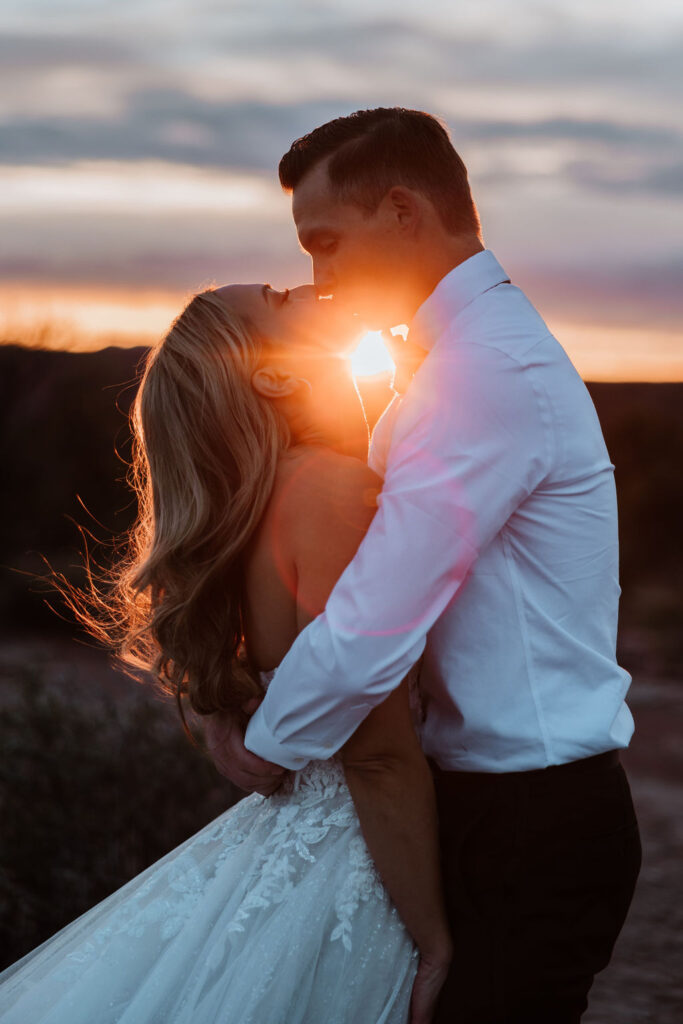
(272, 914)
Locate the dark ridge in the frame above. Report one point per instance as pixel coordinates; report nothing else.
(64, 435)
(65, 416)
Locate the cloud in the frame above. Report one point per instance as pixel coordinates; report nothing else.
(664, 179)
(433, 45)
(570, 121)
(589, 155)
(640, 294)
(573, 130)
(176, 127)
(44, 51)
(170, 125)
(572, 52)
(237, 85)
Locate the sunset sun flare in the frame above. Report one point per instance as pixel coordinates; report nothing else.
(371, 356)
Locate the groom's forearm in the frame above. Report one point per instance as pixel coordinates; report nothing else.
(396, 806)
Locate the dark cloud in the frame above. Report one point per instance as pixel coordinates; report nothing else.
(615, 133)
(154, 268)
(667, 179)
(614, 177)
(393, 51)
(393, 55)
(240, 135)
(632, 294)
(606, 155)
(45, 52)
(148, 82)
(172, 125)
(555, 57)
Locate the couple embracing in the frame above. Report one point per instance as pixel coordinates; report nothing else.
(408, 659)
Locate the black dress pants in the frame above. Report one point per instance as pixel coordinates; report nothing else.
(539, 870)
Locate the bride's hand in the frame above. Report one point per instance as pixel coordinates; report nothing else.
(429, 980)
(224, 736)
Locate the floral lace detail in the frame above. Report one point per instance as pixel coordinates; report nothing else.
(312, 808)
(278, 838)
(362, 884)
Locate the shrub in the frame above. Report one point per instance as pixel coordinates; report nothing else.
(91, 792)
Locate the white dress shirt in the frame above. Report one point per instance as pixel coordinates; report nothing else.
(493, 550)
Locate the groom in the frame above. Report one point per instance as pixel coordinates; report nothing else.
(493, 553)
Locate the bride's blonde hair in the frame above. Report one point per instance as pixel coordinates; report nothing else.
(205, 452)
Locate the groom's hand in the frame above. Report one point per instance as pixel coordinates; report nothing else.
(224, 735)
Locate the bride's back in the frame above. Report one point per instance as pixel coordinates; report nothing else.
(321, 506)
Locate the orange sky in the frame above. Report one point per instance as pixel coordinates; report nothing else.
(84, 319)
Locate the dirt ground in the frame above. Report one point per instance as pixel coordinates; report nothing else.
(644, 982)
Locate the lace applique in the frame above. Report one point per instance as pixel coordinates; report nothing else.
(287, 831)
(362, 884)
(284, 835)
(311, 804)
(181, 884)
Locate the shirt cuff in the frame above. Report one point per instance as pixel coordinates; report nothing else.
(260, 741)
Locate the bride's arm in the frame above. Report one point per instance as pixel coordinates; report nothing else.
(385, 768)
(393, 792)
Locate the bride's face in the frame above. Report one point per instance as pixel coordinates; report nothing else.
(308, 341)
(294, 317)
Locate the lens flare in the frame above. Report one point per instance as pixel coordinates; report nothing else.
(371, 357)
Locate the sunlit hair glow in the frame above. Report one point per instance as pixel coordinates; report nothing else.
(206, 448)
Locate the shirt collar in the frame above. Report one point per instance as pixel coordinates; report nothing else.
(456, 290)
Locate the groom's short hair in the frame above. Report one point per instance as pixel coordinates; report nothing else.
(372, 150)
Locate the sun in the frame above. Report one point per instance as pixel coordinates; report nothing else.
(370, 358)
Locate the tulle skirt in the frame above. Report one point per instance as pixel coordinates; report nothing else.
(272, 914)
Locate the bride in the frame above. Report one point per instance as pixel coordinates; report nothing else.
(320, 903)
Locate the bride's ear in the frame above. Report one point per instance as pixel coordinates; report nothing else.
(271, 382)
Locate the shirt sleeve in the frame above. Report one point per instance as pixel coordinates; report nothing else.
(471, 440)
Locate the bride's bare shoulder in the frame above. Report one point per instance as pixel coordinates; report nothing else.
(322, 506)
(317, 487)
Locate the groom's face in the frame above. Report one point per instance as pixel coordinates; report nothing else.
(357, 257)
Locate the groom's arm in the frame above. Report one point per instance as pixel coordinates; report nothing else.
(456, 472)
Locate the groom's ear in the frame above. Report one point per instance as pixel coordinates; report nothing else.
(274, 382)
(403, 205)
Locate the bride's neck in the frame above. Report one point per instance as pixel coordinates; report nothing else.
(313, 438)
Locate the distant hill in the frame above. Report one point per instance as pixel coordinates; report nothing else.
(643, 428)
(64, 416)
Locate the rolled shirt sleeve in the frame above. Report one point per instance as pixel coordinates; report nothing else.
(471, 440)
